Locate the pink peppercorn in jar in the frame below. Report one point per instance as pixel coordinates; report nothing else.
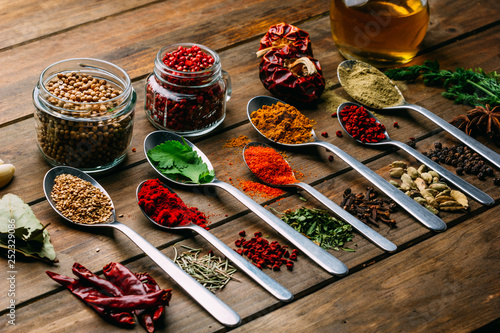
(188, 90)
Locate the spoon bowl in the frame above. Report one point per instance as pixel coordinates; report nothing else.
(158, 137)
(423, 215)
(366, 231)
(205, 298)
(487, 153)
(331, 264)
(251, 270)
(471, 190)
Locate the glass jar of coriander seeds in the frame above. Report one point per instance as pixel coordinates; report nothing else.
(188, 90)
(84, 114)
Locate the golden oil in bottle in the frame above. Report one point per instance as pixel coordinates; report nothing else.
(380, 32)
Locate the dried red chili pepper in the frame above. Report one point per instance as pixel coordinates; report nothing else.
(132, 302)
(102, 285)
(282, 34)
(124, 279)
(358, 122)
(83, 292)
(292, 75)
(150, 285)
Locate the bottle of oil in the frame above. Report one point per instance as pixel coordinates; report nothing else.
(380, 32)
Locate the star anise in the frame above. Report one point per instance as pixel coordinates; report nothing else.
(480, 119)
(485, 118)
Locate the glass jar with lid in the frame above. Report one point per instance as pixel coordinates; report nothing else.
(188, 90)
(84, 114)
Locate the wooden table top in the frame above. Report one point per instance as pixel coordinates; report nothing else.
(434, 281)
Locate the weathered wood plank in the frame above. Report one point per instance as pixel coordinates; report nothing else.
(22, 21)
(447, 283)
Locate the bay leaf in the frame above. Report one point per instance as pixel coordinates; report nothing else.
(32, 239)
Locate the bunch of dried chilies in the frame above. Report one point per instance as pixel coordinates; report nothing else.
(121, 295)
(211, 271)
(287, 68)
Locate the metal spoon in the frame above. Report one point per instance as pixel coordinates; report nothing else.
(487, 153)
(331, 264)
(218, 309)
(251, 270)
(368, 232)
(473, 191)
(427, 218)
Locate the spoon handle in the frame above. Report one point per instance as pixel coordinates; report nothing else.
(368, 232)
(487, 153)
(471, 190)
(217, 308)
(251, 270)
(331, 264)
(418, 211)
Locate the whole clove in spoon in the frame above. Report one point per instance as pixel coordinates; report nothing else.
(389, 97)
(291, 181)
(471, 190)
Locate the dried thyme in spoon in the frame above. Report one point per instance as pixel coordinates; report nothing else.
(210, 271)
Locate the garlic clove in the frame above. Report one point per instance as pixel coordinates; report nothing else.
(1, 162)
(6, 173)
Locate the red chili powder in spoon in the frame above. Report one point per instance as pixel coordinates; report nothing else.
(269, 165)
(166, 208)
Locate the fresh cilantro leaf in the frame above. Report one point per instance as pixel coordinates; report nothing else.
(179, 161)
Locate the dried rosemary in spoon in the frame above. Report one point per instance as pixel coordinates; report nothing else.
(210, 271)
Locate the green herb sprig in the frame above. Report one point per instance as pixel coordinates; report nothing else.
(321, 228)
(464, 86)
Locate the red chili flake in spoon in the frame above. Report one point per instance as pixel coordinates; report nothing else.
(360, 125)
(396, 125)
(264, 253)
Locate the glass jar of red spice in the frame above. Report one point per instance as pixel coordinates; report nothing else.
(188, 90)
